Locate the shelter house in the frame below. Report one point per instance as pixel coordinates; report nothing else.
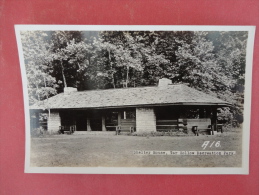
(166, 107)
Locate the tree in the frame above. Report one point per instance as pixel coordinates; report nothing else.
(213, 62)
(154, 61)
(37, 57)
(64, 69)
(36, 50)
(196, 63)
(122, 56)
(230, 51)
(105, 63)
(133, 57)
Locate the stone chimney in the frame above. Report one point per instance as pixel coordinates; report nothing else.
(164, 82)
(69, 90)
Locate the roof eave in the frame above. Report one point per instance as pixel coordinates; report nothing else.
(144, 105)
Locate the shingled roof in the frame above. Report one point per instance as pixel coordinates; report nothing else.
(130, 97)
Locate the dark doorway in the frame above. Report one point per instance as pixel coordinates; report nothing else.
(96, 121)
(111, 120)
(81, 121)
(67, 117)
(168, 112)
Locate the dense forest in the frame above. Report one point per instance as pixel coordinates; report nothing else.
(212, 62)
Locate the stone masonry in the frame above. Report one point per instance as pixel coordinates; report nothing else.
(54, 122)
(145, 120)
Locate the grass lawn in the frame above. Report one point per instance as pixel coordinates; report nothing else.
(117, 151)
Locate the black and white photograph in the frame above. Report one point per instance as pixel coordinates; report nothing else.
(136, 99)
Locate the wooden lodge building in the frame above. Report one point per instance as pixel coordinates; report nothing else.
(166, 107)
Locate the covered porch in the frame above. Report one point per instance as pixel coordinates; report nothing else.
(92, 119)
(195, 119)
(187, 119)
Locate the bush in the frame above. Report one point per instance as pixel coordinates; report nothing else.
(230, 117)
(41, 132)
(37, 132)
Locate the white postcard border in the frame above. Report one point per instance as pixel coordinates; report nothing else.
(125, 170)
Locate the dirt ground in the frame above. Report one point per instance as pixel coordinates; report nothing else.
(118, 151)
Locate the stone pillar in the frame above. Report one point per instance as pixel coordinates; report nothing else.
(88, 126)
(54, 121)
(145, 120)
(103, 124)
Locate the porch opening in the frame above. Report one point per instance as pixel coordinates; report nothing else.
(185, 118)
(95, 118)
(81, 124)
(67, 117)
(111, 120)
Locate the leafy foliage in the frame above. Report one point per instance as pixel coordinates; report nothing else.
(38, 62)
(212, 62)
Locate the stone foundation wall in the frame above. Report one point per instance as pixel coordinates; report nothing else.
(145, 120)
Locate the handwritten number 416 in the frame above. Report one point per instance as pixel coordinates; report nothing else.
(213, 144)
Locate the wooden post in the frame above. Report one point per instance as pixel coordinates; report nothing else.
(183, 116)
(119, 118)
(74, 119)
(214, 120)
(103, 124)
(88, 124)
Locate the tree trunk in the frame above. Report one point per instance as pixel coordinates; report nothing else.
(109, 54)
(49, 114)
(63, 74)
(37, 92)
(45, 84)
(89, 60)
(127, 77)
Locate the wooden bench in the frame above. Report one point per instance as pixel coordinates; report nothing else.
(119, 129)
(208, 129)
(171, 125)
(70, 128)
(166, 125)
(111, 127)
(201, 128)
(127, 125)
